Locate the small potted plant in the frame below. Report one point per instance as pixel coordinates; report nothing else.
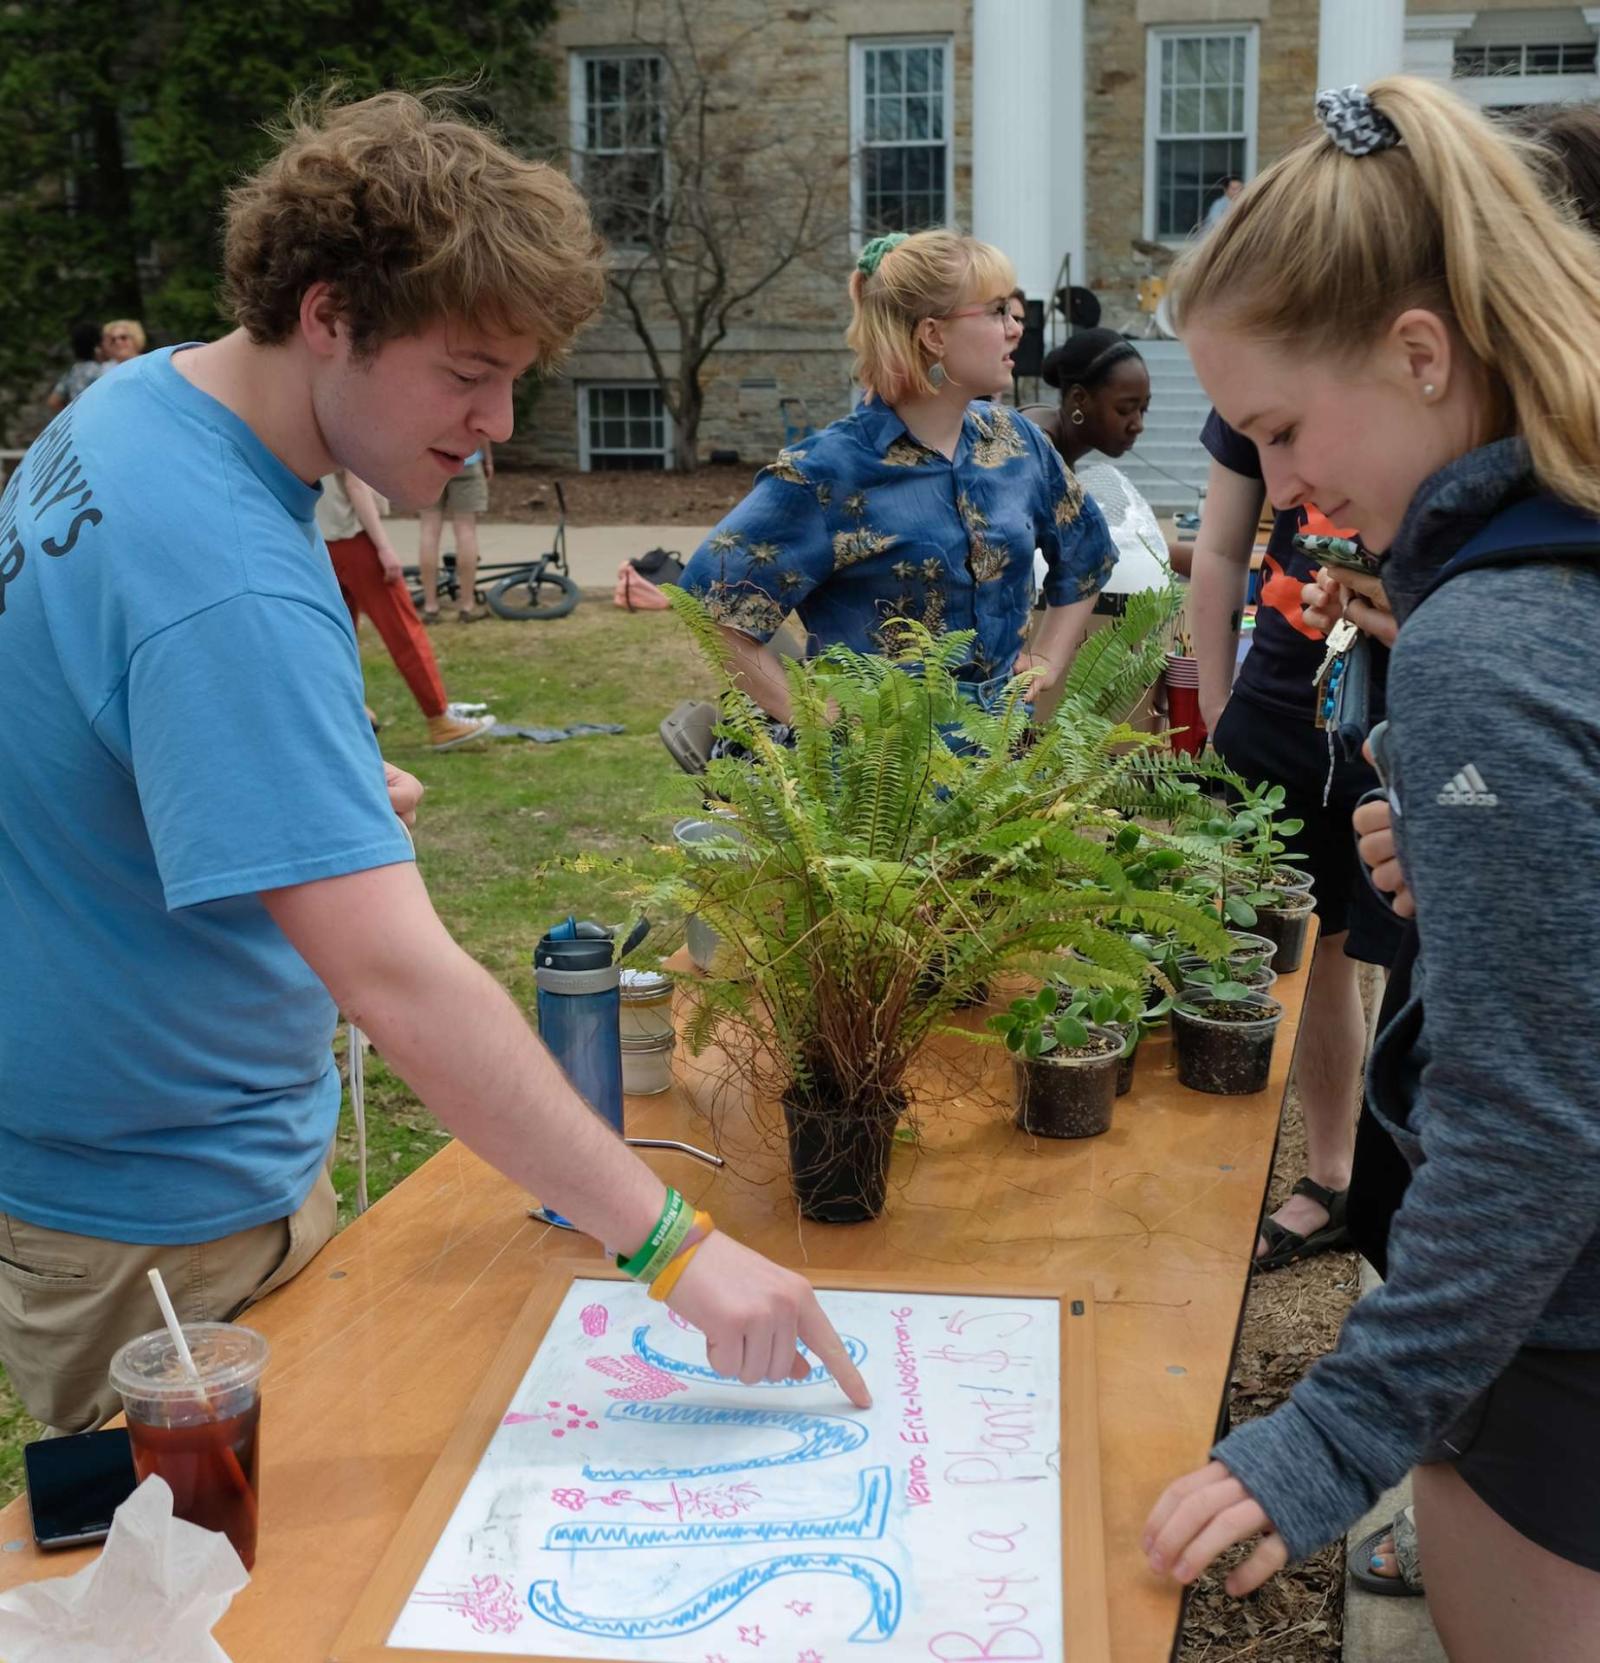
(1276, 894)
(1252, 970)
(1065, 1065)
(1223, 1033)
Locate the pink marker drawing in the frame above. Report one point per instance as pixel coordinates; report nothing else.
(751, 1636)
(490, 1605)
(642, 1382)
(594, 1319)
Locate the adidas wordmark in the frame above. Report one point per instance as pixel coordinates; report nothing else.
(1468, 790)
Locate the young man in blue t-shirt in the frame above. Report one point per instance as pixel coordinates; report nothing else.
(197, 847)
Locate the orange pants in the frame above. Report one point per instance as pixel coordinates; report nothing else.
(388, 605)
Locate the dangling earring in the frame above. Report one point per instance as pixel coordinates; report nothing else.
(936, 375)
(1076, 418)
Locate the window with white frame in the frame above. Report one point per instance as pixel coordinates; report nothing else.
(1508, 59)
(900, 122)
(623, 427)
(1200, 122)
(619, 136)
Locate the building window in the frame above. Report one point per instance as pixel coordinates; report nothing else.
(1200, 124)
(900, 122)
(623, 427)
(1549, 58)
(619, 137)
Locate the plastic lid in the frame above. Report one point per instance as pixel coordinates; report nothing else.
(644, 984)
(226, 1355)
(588, 953)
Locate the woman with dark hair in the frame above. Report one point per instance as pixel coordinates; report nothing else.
(1105, 393)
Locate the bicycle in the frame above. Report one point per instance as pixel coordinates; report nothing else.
(540, 589)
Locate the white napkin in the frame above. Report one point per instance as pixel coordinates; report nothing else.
(153, 1596)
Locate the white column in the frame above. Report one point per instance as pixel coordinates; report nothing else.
(1360, 41)
(1067, 143)
(1012, 95)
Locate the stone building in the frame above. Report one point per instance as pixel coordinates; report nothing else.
(1066, 131)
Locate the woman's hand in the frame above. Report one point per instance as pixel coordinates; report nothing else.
(1335, 593)
(1041, 683)
(1204, 1514)
(1375, 845)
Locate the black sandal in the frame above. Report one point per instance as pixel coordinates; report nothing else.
(1287, 1247)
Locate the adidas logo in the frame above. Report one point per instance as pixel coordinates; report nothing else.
(1468, 790)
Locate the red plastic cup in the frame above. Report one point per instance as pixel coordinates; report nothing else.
(1183, 712)
(203, 1440)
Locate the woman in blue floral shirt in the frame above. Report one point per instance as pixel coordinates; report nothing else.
(920, 504)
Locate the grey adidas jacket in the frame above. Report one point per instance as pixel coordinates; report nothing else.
(1494, 712)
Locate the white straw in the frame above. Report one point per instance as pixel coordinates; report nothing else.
(170, 1317)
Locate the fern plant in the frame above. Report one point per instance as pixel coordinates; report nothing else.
(908, 846)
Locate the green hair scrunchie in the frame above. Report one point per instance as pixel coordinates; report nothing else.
(871, 257)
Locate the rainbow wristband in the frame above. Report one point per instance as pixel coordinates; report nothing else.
(670, 1213)
(661, 1288)
(667, 1279)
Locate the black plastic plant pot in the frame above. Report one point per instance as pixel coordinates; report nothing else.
(1225, 1047)
(1286, 925)
(839, 1156)
(1070, 1094)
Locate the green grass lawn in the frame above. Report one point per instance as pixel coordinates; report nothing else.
(499, 818)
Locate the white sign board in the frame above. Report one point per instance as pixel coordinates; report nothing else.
(631, 1505)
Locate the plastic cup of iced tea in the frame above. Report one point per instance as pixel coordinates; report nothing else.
(202, 1437)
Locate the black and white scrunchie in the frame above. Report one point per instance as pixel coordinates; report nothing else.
(1354, 123)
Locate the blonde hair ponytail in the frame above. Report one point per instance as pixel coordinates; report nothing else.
(1326, 249)
(926, 275)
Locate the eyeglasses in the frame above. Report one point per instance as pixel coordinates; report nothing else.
(1000, 310)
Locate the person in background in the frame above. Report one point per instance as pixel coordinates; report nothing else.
(1218, 211)
(1105, 396)
(85, 370)
(926, 502)
(350, 518)
(122, 339)
(465, 498)
(1426, 410)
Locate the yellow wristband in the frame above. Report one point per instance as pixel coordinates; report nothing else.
(661, 1288)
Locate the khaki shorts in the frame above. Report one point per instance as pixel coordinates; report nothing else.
(67, 1302)
(467, 493)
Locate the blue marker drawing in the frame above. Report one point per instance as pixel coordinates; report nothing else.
(721, 1597)
(863, 1522)
(820, 1436)
(819, 1376)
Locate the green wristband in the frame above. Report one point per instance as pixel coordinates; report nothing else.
(669, 1249)
(670, 1213)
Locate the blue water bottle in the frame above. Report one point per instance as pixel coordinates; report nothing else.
(579, 1012)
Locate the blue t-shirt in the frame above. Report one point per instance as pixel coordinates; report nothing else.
(183, 729)
(861, 523)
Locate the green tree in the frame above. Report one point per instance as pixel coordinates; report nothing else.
(124, 122)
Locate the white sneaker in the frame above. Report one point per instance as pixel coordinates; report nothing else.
(465, 712)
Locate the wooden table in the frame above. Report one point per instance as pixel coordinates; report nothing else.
(379, 1344)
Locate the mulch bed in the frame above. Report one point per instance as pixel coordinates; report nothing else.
(1291, 1318)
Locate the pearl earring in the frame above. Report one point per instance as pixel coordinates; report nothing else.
(1428, 389)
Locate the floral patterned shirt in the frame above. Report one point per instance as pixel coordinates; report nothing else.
(861, 523)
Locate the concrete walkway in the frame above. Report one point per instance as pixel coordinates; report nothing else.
(593, 551)
(1382, 1628)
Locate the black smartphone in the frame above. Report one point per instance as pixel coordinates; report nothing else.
(75, 1484)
